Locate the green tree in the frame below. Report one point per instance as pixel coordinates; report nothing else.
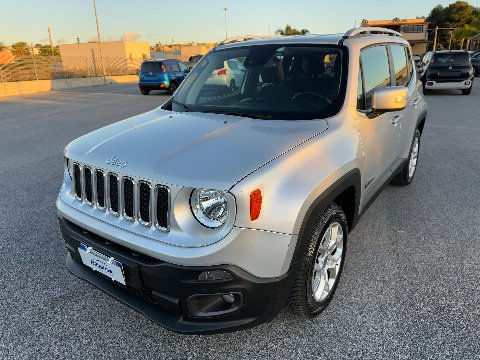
(20, 48)
(460, 15)
(44, 50)
(288, 31)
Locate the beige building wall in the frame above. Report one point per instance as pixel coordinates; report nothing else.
(119, 57)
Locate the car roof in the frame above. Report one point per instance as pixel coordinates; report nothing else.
(450, 51)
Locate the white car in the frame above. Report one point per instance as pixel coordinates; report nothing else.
(230, 75)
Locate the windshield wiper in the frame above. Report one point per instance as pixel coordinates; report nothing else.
(244, 114)
(185, 107)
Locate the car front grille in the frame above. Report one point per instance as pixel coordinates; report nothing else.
(134, 200)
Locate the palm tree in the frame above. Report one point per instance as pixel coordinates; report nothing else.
(288, 31)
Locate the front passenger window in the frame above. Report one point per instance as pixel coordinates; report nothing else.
(376, 71)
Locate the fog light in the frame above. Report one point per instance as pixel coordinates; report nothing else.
(208, 305)
(229, 298)
(214, 275)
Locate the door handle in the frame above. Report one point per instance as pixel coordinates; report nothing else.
(415, 102)
(396, 118)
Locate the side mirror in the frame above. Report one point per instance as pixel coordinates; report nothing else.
(392, 98)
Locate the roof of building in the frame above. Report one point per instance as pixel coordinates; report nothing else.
(395, 22)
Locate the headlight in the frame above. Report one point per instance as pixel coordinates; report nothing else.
(210, 207)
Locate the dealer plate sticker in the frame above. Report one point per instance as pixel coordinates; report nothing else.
(104, 264)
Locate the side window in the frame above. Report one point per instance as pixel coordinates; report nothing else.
(182, 66)
(174, 66)
(400, 66)
(376, 71)
(232, 65)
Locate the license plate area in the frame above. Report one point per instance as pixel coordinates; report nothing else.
(102, 263)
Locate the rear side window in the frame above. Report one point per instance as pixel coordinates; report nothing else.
(400, 66)
(449, 59)
(376, 71)
(151, 66)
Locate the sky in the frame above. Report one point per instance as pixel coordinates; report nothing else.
(191, 20)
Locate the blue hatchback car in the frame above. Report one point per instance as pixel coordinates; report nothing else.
(161, 75)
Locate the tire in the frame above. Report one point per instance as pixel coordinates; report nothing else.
(172, 88)
(467, 91)
(303, 300)
(425, 91)
(232, 84)
(144, 91)
(475, 71)
(405, 177)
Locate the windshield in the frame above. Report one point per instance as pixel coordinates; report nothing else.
(449, 59)
(151, 66)
(267, 81)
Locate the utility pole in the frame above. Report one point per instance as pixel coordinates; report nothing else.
(226, 32)
(435, 39)
(99, 40)
(461, 45)
(450, 42)
(34, 64)
(268, 30)
(50, 38)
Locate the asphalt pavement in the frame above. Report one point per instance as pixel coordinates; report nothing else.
(410, 288)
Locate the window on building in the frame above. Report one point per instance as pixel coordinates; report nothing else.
(410, 29)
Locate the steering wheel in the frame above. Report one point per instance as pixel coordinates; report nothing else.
(311, 97)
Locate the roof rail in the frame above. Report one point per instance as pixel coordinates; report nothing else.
(370, 31)
(245, 38)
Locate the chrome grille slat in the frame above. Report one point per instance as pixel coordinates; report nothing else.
(113, 193)
(100, 189)
(128, 202)
(87, 175)
(135, 200)
(144, 202)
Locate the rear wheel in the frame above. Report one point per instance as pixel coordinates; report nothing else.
(405, 177)
(321, 266)
(475, 71)
(172, 88)
(144, 91)
(232, 84)
(467, 91)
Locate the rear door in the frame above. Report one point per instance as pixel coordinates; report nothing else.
(379, 133)
(402, 68)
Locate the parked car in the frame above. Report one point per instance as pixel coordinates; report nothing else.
(211, 212)
(476, 66)
(231, 74)
(417, 59)
(447, 70)
(192, 60)
(161, 75)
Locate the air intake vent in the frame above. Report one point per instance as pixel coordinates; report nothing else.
(87, 173)
(77, 175)
(128, 198)
(100, 180)
(162, 207)
(144, 205)
(113, 192)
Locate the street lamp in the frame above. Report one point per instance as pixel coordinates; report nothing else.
(226, 32)
(99, 40)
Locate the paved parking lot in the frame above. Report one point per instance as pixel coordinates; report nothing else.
(410, 288)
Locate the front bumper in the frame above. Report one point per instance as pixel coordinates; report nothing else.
(163, 291)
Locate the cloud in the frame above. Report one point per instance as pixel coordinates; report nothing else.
(130, 36)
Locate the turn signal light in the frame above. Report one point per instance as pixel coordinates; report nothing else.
(255, 204)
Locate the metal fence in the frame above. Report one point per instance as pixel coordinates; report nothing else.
(56, 67)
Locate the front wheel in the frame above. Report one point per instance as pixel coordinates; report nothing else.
(321, 266)
(172, 88)
(475, 71)
(144, 91)
(405, 176)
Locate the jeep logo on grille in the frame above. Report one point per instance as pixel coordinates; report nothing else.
(117, 162)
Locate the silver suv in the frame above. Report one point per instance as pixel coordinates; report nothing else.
(213, 211)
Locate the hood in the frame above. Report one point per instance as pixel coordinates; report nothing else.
(191, 149)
